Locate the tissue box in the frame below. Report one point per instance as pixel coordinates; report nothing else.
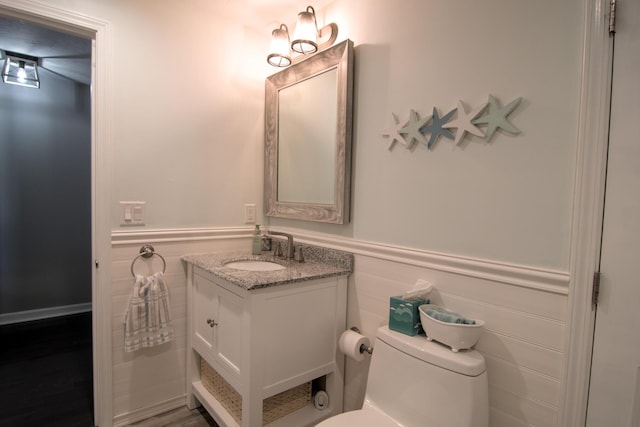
(404, 316)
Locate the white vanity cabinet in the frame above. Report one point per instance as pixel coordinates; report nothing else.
(266, 341)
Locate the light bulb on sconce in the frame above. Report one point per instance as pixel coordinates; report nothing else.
(307, 39)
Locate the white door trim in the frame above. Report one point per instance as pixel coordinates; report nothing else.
(99, 32)
(588, 205)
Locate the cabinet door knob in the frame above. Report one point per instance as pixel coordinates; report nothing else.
(211, 322)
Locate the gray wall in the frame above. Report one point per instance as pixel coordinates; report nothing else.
(45, 195)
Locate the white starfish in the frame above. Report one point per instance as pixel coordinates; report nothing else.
(393, 132)
(463, 122)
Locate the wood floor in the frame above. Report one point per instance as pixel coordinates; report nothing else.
(46, 377)
(46, 373)
(181, 417)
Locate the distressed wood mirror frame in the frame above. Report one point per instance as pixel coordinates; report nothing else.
(339, 57)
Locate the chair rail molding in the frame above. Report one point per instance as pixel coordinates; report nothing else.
(529, 277)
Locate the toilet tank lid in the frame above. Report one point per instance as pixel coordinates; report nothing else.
(466, 362)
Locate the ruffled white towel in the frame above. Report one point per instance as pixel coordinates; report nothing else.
(148, 319)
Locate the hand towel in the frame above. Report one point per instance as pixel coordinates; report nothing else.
(148, 319)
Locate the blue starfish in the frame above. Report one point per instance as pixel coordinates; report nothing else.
(435, 128)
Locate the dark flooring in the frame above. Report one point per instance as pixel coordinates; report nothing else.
(46, 377)
(46, 373)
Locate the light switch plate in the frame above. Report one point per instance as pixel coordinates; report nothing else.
(133, 213)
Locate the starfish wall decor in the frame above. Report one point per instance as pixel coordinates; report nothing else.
(414, 130)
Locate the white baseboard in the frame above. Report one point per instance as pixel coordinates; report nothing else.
(148, 412)
(43, 313)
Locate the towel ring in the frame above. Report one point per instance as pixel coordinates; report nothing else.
(147, 251)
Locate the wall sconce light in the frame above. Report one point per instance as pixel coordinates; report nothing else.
(306, 41)
(280, 55)
(20, 70)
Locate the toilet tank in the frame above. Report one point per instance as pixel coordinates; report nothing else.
(422, 383)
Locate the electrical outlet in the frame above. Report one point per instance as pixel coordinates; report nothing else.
(249, 213)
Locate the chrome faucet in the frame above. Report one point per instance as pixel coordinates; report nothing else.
(290, 249)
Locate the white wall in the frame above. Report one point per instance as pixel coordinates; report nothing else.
(187, 112)
(191, 148)
(488, 223)
(508, 199)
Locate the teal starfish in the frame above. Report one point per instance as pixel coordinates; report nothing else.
(411, 130)
(496, 117)
(436, 127)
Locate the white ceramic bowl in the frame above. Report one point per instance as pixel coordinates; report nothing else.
(458, 336)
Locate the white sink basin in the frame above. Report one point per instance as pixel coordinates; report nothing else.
(253, 265)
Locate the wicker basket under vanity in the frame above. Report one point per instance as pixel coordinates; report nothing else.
(273, 408)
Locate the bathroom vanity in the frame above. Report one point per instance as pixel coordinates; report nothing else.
(261, 343)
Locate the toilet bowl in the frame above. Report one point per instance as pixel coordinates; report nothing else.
(415, 382)
(371, 417)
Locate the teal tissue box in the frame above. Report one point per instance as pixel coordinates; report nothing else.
(404, 316)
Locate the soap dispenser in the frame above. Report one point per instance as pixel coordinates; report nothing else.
(257, 241)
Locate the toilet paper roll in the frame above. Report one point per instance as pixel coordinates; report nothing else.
(350, 343)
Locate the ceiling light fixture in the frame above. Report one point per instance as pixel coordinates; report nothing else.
(306, 41)
(21, 70)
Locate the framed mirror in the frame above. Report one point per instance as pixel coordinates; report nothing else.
(308, 124)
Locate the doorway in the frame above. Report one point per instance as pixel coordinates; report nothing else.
(45, 176)
(614, 392)
(45, 230)
(98, 31)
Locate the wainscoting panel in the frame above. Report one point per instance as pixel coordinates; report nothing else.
(152, 380)
(522, 340)
(524, 310)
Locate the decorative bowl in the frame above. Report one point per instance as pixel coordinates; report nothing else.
(458, 336)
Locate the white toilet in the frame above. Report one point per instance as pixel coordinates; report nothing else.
(415, 382)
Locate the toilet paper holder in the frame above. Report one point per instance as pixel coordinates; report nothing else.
(363, 347)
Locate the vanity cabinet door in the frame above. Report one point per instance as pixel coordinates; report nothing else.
(205, 312)
(228, 331)
(218, 326)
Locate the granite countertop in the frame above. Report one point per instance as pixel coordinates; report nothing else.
(319, 263)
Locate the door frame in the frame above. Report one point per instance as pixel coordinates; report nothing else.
(588, 210)
(100, 34)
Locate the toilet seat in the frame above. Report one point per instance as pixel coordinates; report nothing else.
(360, 417)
